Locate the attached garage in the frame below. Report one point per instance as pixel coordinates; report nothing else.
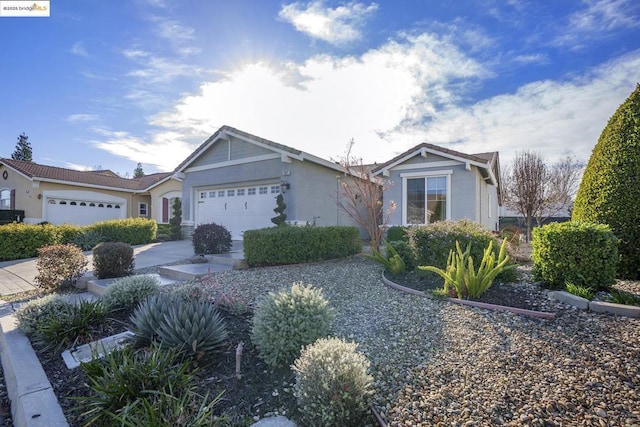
(82, 207)
(238, 208)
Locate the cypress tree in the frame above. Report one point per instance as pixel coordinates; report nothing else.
(610, 189)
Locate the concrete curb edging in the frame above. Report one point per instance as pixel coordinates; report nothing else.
(525, 312)
(33, 402)
(596, 306)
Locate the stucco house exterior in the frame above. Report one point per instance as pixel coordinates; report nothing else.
(234, 177)
(59, 195)
(429, 183)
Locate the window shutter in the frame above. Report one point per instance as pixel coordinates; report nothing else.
(165, 210)
(12, 200)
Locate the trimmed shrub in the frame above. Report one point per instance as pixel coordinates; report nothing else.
(124, 377)
(59, 265)
(176, 220)
(286, 321)
(397, 233)
(128, 292)
(113, 259)
(580, 253)
(19, 240)
(134, 231)
(610, 189)
(295, 245)
(406, 252)
(432, 244)
(332, 384)
(211, 239)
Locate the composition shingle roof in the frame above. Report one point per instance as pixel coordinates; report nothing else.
(103, 178)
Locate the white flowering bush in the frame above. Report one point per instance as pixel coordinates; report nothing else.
(332, 384)
(40, 311)
(127, 292)
(286, 321)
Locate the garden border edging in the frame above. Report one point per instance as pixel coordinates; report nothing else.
(525, 312)
(33, 402)
(596, 306)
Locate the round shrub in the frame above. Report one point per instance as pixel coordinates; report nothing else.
(575, 252)
(112, 259)
(211, 239)
(610, 189)
(59, 265)
(397, 233)
(41, 310)
(128, 292)
(332, 384)
(286, 321)
(406, 252)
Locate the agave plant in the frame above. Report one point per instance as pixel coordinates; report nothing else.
(195, 327)
(147, 317)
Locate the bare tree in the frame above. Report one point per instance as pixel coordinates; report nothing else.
(361, 197)
(536, 190)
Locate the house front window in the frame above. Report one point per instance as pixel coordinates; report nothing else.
(142, 209)
(426, 199)
(5, 199)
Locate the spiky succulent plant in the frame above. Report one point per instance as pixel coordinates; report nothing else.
(146, 318)
(195, 327)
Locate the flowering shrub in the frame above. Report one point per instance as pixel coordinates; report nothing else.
(288, 320)
(332, 384)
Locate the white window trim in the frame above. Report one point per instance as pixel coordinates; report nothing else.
(146, 208)
(424, 174)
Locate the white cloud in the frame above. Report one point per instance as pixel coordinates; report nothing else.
(79, 49)
(82, 118)
(534, 58)
(157, 69)
(162, 150)
(336, 26)
(597, 20)
(319, 105)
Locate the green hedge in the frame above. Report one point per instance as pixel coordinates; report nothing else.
(134, 231)
(576, 252)
(295, 245)
(19, 240)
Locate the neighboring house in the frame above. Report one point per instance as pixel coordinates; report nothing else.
(233, 179)
(431, 183)
(58, 195)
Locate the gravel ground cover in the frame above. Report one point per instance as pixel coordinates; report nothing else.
(437, 363)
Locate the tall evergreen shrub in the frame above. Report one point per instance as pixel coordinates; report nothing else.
(610, 188)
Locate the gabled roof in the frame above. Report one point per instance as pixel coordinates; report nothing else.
(280, 148)
(105, 179)
(486, 162)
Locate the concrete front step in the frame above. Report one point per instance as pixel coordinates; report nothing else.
(192, 271)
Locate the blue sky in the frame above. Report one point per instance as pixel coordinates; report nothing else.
(111, 83)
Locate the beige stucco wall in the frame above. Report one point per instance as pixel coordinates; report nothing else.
(170, 189)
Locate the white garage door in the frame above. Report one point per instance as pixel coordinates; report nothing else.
(80, 212)
(238, 208)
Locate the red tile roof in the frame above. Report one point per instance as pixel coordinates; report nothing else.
(102, 178)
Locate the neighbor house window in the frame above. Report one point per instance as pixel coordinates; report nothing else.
(143, 209)
(426, 198)
(5, 199)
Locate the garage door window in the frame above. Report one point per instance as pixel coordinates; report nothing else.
(203, 195)
(231, 193)
(275, 189)
(221, 193)
(241, 192)
(263, 190)
(251, 191)
(212, 194)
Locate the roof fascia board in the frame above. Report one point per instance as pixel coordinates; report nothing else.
(233, 162)
(82, 184)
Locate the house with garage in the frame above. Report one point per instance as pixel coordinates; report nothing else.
(233, 179)
(431, 183)
(59, 195)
